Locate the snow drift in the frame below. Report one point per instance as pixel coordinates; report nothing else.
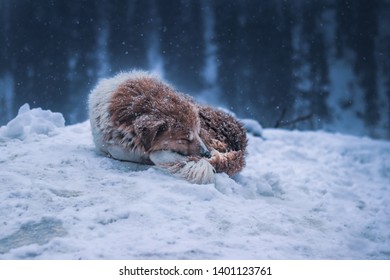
(302, 195)
(30, 122)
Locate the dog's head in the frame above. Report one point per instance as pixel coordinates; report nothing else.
(156, 135)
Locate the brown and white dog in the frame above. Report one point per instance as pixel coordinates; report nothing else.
(137, 117)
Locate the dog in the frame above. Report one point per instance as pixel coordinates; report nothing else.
(135, 116)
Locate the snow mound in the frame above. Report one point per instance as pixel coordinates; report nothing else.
(253, 127)
(32, 121)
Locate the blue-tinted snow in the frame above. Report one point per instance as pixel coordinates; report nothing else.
(302, 195)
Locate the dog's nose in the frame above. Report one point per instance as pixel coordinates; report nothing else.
(206, 154)
(203, 151)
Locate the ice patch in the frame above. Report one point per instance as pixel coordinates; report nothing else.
(32, 121)
(33, 232)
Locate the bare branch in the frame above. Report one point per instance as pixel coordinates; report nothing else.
(294, 121)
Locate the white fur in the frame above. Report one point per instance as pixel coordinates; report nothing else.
(164, 157)
(99, 101)
(118, 152)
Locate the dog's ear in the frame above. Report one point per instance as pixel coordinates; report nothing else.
(148, 128)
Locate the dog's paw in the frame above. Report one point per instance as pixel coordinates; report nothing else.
(166, 157)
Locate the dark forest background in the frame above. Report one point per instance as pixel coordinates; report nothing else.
(326, 61)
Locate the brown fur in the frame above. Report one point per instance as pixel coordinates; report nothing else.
(157, 116)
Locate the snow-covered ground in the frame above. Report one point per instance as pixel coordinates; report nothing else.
(302, 195)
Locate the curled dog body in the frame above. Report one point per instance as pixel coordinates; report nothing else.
(137, 117)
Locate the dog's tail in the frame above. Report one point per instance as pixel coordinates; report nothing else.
(193, 169)
(200, 170)
(230, 162)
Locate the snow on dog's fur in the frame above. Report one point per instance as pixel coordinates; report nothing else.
(137, 117)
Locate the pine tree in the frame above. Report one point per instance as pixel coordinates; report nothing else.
(7, 95)
(255, 56)
(386, 73)
(182, 43)
(316, 58)
(366, 66)
(358, 30)
(386, 63)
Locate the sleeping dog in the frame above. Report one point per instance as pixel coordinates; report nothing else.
(137, 117)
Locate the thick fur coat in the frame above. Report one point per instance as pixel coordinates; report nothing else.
(137, 117)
